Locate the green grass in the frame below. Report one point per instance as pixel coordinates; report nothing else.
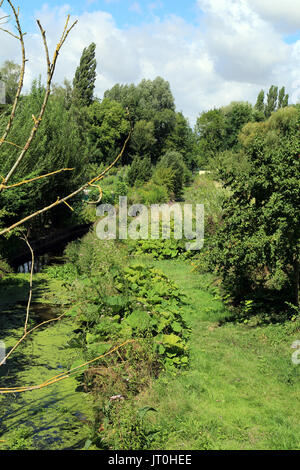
(204, 190)
(241, 390)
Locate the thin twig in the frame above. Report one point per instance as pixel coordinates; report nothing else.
(30, 283)
(50, 72)
(74, 193)
(26, 335)
(22, 73)
(3, 186)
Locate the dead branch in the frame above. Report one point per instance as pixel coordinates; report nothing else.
(30, 284)
(74, 193)
(50, 71)
(26, 335)
(3, 186)
(21, 80)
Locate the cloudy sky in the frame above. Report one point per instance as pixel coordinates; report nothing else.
(211, 51)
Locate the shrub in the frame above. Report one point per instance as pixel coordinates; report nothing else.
(173, 160)
(140, 170)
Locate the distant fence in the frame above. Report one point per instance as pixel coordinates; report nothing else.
(2, 92)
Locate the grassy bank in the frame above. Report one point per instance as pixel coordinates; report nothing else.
(241, 390)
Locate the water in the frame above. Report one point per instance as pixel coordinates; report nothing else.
(58, 416)
(39, 263)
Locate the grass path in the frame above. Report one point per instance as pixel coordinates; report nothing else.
(241, 390)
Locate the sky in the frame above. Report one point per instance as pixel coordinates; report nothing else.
(212, 52)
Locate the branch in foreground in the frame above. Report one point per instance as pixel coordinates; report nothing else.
(3, 186)
(50, 71)
(66, 198)
(21, 80)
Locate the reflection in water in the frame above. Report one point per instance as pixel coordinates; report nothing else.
(39, 263)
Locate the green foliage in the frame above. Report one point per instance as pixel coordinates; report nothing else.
(183, 140)
(85, 77)
(210, 132)
(140, 170)
(173, 160)
(4, 268)
(125, 302)
(56, 146)
(257, 248)
(157, 127)
(150, 193)
(10, 75)
(142, 138)
(107, 129)
(217, 130)
(65, 272)
(160, 249)
(275, 100)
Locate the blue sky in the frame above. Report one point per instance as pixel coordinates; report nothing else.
(212, 52)
(126, 13)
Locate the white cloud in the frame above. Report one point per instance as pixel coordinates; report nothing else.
(245, 48)
(283, 14)
(233, 53)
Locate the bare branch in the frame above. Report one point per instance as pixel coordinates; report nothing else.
(21, 80)
(25, 336)
(3, 186)
(66, 198)
(30, 284)
(50, 72)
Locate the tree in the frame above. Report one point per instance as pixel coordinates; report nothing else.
(140, 170)
(259, 108)
(237, 114)
(10, 75)
(272, 98)
(174, 161)
(210, 130)
(260, 103)
(275, 100)
(283, 98)
(143, 139)
(257, 249)
(106, 128)
(85, 77)
(57, 145)
(149, 101)
(183, 140)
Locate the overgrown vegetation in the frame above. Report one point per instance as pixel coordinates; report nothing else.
(203, 362)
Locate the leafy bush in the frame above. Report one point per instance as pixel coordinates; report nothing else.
(150, 193)
(66, 272)
(160, 249)
(173, 160)
(142, 303)
(256, 249)
(140, 170)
